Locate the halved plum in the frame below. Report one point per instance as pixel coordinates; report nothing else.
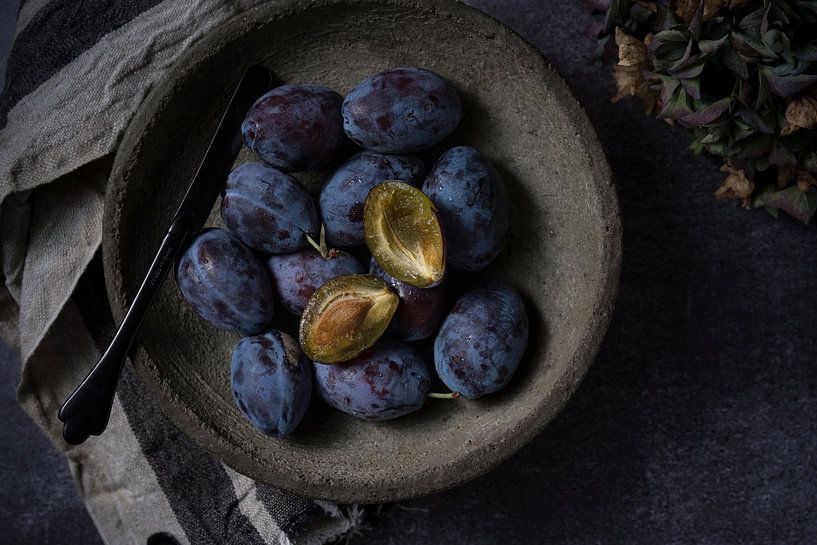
(345, 316)
(404, 235)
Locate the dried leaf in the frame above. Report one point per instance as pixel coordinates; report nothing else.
(671, 35)
(614, 13)
(631, 50)
(692, 87)
(685, 9)
(734, 63)
(711, 7)
(750, 49)
(690, 71)
(630, 81)
(788, 85)
(628, 72)
(800, 204)
(810, 161)
(708, 114)
(801, 113)
(755, 120)
(780, 154)
(785, 175)
(805, 180)
(708, 47)
(674, 104)
(736, 185)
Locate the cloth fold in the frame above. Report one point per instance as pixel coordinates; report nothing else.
(77, 74)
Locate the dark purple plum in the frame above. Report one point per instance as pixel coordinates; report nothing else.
(268, 209)
(295, 127)
(272, 382)
(384, 382)
(401, 110)
(420, 310)
(344, 194)
(296, 276)
(481, 341)
(225, 283)
(472, 204)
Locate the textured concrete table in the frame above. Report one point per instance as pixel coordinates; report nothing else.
(697, 423)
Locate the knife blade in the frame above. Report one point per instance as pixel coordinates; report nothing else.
(87, 411)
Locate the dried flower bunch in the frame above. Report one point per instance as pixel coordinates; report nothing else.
(739, 76)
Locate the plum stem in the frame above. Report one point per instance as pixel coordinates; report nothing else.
(322, 248)
(443, 395)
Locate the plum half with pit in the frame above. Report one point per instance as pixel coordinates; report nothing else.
(296, 276)
(346, 316)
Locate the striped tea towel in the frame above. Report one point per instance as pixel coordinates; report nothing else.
(77, 73)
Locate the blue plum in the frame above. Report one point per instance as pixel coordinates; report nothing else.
(271, 381)
(472, 204)
(268, 209)
(295, 127)
(344, 194)
(481, 342)
(296, 276)
(384, 382)
(420, 310)
(225, 283)
(401, 110)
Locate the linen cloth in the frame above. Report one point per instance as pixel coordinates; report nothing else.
(77, 73)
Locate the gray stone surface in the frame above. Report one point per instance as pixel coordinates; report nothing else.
(563, 248)
(696, 423)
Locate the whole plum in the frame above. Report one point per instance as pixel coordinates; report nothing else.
(296, 276)
(225, 283)
(482, 340)
(401, 110)
(295, 127)
(386, 381)
(473, 207)
(420, 310)
(267, 209)
(271, 381)
(343, 195)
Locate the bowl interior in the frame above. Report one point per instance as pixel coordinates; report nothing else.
(562, 255)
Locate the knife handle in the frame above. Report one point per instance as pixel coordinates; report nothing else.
(88, 409)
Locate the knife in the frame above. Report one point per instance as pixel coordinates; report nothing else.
(87, 410)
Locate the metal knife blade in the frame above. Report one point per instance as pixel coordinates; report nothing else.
(209, 179)
(87, 410)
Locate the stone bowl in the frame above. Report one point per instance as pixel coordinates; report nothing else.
(563, 253)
